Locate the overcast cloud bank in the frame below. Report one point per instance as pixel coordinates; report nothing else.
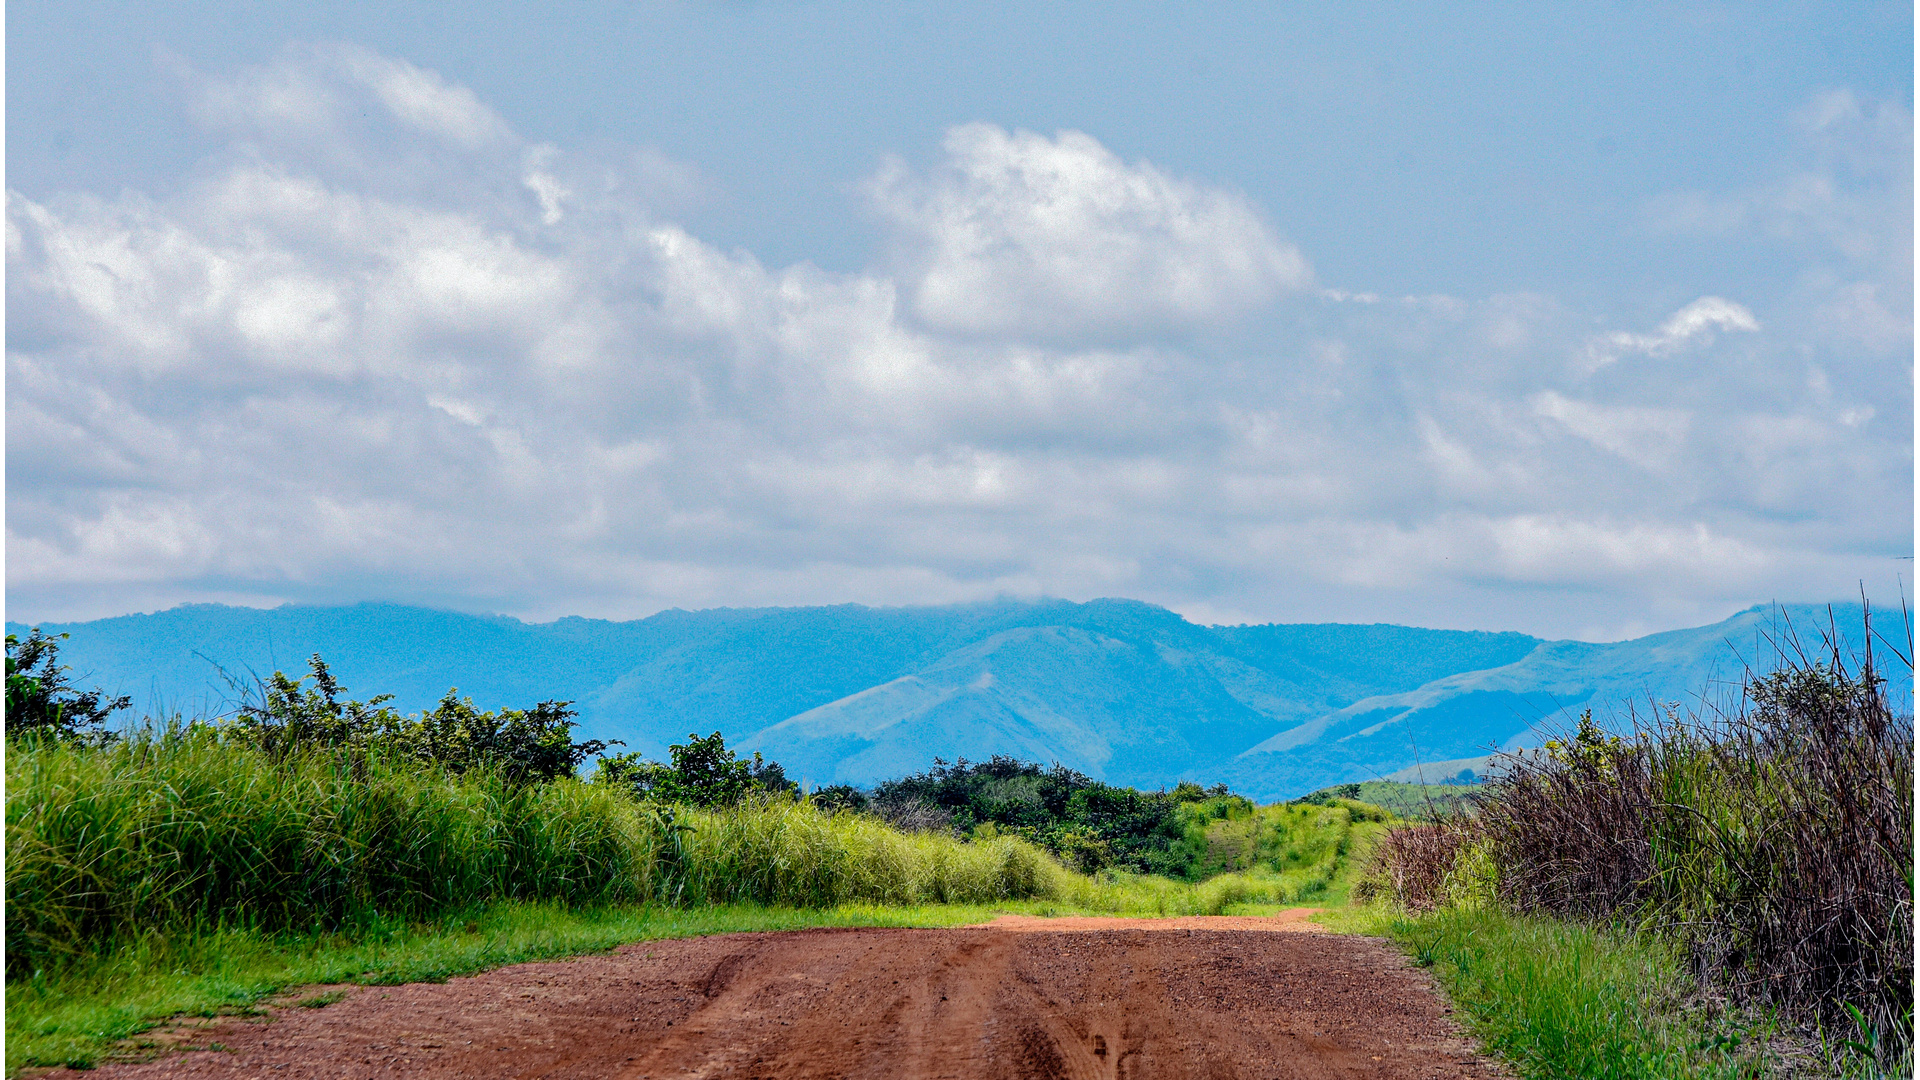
(383, 348)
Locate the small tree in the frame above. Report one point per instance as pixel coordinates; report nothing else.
(39, 697)
(292, 715)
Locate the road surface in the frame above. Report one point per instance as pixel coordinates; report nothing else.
(1086, 999)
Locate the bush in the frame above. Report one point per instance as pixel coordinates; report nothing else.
(41, 700)
(517, 745)
(1411, 864)
(1093, 825)
(703, 773)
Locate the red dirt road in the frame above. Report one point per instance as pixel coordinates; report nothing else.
(1022, 998)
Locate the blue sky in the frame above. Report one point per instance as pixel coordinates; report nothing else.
(1581, 320)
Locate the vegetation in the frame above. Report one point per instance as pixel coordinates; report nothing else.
(1770, 842)
(1414, 801)
(517, 746)
(1311, 848)
(703, 773)
(1565, 999)
(191, 829)
(1091, 825)
(41, 699)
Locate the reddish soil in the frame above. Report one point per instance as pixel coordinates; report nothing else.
(1079, 998)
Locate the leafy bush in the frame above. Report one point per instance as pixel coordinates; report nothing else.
(518, 745)
(40, 699)
(703, 773)
(1091, 824)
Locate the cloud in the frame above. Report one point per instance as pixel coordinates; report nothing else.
(1559, 549)
(1018, 234)
(1844, 209)
(1692, 324)
(421, 99)
(1649, 438)
(321, 90)
(460, 368)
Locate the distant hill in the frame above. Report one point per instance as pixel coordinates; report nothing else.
(1463, 715)
(1121, 690)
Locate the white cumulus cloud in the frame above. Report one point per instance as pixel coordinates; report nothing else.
(1018, 234)
(431, 361)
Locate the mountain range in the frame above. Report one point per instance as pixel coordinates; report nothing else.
(1121, 690)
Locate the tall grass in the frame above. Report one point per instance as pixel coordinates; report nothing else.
(1415, 865)
(1772, 840)
(185, 830)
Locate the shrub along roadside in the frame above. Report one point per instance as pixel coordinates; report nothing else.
(1089, 824)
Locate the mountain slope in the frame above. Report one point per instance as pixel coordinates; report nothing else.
(1470, 713)
(1119, 689)
(1094, 701)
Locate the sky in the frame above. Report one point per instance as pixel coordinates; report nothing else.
(1581, 320)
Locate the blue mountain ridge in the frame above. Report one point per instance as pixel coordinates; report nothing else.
(1119, 689)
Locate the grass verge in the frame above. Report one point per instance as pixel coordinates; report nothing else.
(1559, 999)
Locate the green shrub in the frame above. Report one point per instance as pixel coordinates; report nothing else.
(518, 745)
(1095, 826)
(703, 773)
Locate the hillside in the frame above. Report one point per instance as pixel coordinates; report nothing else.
(1462, 715)
(1121, 690)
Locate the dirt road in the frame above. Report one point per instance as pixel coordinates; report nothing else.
(1080, 998)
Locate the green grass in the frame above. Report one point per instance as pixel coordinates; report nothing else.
(1311, 852)
(1419, 801)
(1559, 999)
(186, 834)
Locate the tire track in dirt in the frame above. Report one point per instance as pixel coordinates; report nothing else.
(1073, 999)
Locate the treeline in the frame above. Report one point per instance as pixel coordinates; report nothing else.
(1772, 841)
(284, 716)
(1089, 824)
